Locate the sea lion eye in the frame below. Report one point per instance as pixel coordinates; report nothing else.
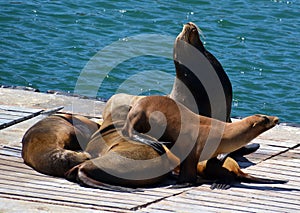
(266, 119)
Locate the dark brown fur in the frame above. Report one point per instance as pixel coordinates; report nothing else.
(190, 35)
(187, 78)
(227, 172)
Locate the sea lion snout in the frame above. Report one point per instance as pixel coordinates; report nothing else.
(275, 120)
(190, 34)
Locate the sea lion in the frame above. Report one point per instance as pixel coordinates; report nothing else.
(54, 145)
(226, 172)
(222, 172)
(190, 132)
(118, 100)
(119, 162)
(188, 88)
(188, 85)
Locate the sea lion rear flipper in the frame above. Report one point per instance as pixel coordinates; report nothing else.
(76, 174)
(246, 178)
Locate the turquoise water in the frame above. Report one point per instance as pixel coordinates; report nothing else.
(47, 45)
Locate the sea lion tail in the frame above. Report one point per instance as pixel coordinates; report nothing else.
(76, 174)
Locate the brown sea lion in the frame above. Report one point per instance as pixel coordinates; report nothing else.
(118, 100)
(54, 145)
(188, 88)
(227, 172)
(120, 161)
(164, 119)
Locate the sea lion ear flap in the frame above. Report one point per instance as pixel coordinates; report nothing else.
(254, 125)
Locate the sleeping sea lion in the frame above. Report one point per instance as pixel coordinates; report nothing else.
(226, 172)
(119, 162)
(223, 172)
(54, 145)
(166, 120)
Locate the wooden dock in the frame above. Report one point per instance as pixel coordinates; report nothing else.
(24, 190)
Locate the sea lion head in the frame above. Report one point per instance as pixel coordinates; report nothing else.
(190, 34)
(264, 122)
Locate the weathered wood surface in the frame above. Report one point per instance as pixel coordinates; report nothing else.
(245, 197)
(10, 115)
(20, 182)
(24, 190)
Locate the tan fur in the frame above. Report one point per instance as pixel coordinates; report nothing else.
(114, 157)
(224, 172)
(187, 130)
(117, 101)
(54, 145)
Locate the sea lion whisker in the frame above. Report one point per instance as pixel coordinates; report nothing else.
(156, 145)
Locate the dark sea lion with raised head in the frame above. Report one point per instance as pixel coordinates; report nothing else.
(189, 88)
(186, 42)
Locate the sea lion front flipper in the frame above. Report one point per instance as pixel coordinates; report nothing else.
(213, 170)
(220, 185)
(245, 150)
(181, 185)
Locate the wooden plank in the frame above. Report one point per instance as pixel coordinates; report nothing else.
(22, 183)
(10, 115)
(238, 194)
(14, 113)
(10, 151)
(3, 121)
(19, 109)
(84, 193)
(17, 178)
(74, 206)
(12, 205)
(68, 196)
(181, 206)
(236, 200)
(10, 119)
